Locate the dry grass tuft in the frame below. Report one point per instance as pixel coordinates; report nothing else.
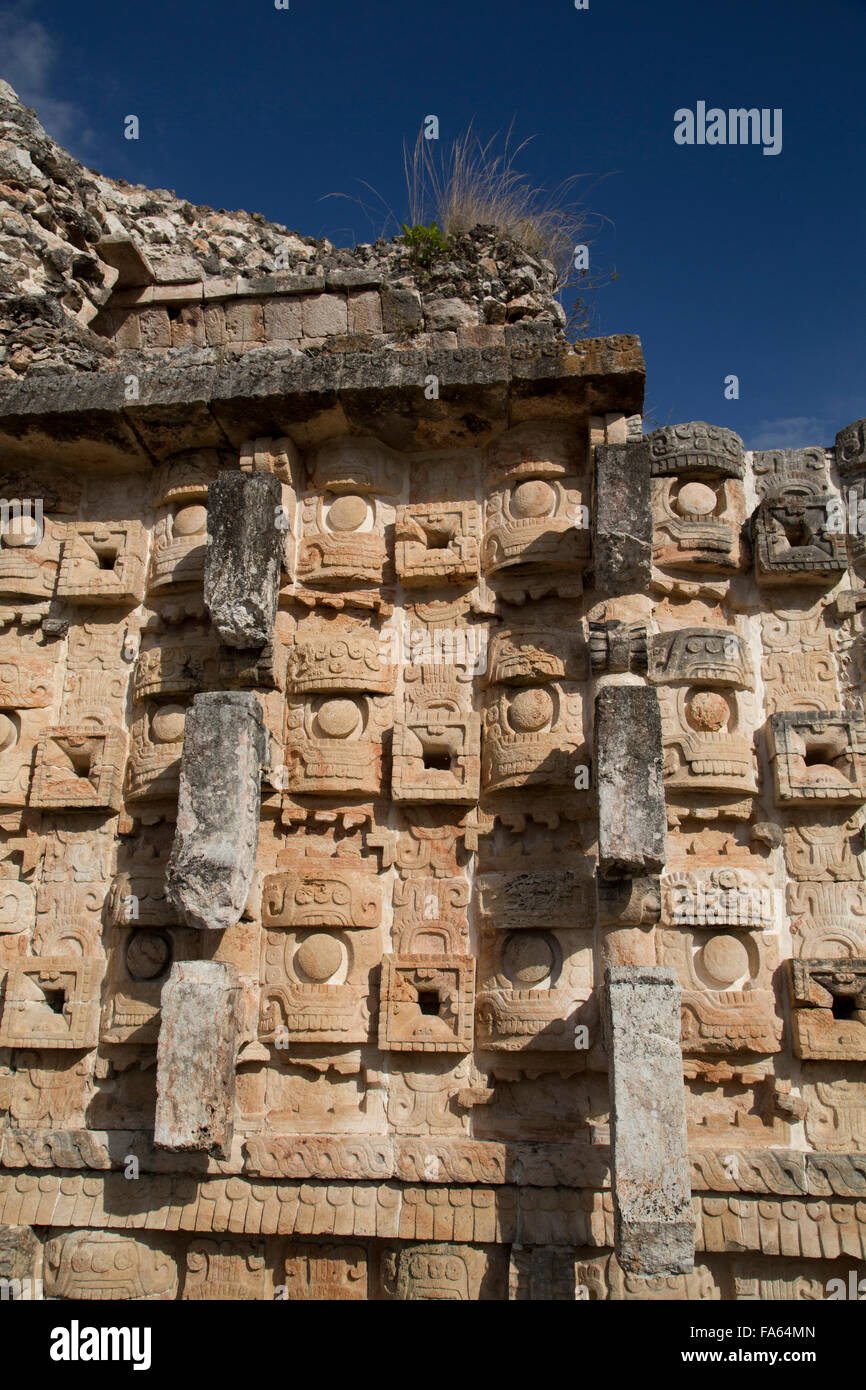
(474, 183)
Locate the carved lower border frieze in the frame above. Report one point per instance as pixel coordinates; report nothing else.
(813, 1229)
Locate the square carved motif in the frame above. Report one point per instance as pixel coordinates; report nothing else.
(52, 1002)
(437, 755)
(79, 769)
(427, 1003)
(438, 543)
(793, 540)
(828, 1008)
(818, 757)
(104, 562)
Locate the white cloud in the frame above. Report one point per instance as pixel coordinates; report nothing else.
(791, 432)
(29, 55)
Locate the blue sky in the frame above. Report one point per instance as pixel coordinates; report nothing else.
(728, 261)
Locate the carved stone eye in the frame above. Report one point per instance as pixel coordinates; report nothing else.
(528, 959)
(189, 521)
(696, 499)
(8, 733)
(725, 959)
(347, 513)
(319, 957)
(338, 718)
(707, 711)
(148, 955)
(530, 710)
(533, 498)
(167, 724)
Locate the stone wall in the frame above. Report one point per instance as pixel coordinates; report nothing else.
(431, 841)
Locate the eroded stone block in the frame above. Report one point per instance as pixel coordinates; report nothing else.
(198, 1040)
(244, 554)
(652, 1194)
(628, 751)
(213, 858)
(623, 519)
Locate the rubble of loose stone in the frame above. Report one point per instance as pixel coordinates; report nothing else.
(59, 274)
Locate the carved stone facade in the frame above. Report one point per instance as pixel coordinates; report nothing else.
(432, 853)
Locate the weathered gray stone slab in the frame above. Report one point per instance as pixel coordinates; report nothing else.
(213, 857)
(629, 764)
(195, 1064)
(622, 517)
(244, 549)
(653, 1220)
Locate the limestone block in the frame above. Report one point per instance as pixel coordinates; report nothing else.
(616, 646)
(342, 538)
(283, 321)
(323, 892)
(18, 1252)
(244, 321)
(628, 751)
(401, 309)
(694, 449)
(195, 1077)
(437, 747)
(622, 540)
(316, 986)
(334, 743)
(652, 1196)
(244, 550)
(365, 312)
(213, 857)
(324, 315)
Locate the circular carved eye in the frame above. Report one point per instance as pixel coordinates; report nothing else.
(707, 711)
(338, 718)
(21, 531)
(319, 957)
(189, 521)
(148, 955)
(8, 733)
(347, 513)
(167, 724)
(530, 710)
(725, 959)
(696, 499)
(528, 959)
(533, 498)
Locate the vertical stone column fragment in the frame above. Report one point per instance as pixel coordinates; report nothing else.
(195, 1068)
(654, 1225)
(631, 803)
(622, 546)
(210, 870)
(244, 549)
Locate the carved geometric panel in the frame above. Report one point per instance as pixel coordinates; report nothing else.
(79, 769)
(818, 757)
(335, 1273)
(104, 562)
(426, 1003)
(52, 1002)
(828, 1008)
